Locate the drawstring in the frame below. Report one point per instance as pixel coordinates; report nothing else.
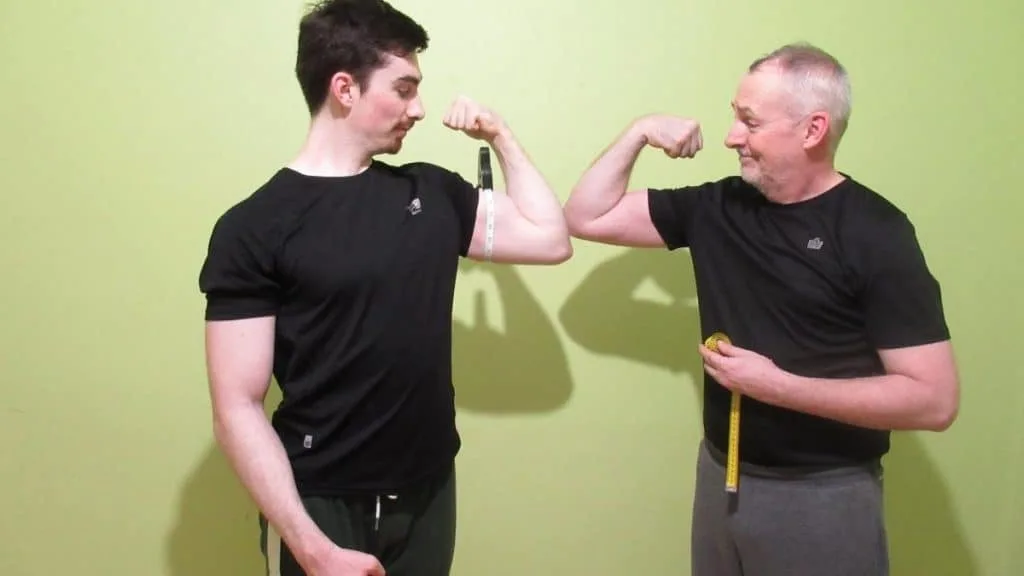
(376, 513)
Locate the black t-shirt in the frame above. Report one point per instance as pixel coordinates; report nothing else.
(817, 286)
(360, 273)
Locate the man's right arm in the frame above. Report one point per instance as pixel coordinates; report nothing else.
(600, 209)
(239, 355)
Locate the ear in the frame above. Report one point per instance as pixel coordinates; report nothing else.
(344, 89)
(816, 133)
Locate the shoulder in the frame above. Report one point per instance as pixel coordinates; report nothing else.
(871, 218)
(421, 171)
(865, 204)
(259, 213)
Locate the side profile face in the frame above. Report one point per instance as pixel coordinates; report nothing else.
(387, 105)
(770, 133)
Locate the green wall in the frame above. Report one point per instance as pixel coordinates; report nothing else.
(129, 126)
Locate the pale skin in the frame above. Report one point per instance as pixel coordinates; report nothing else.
(356, 123)
(788, 159)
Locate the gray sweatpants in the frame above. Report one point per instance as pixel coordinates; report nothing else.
(788, 523)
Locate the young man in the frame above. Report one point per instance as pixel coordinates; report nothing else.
(336, 277)
(837, 328)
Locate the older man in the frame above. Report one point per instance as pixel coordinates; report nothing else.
(835, 331)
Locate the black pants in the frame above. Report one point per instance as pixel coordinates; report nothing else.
(411, 533)
(788, 523)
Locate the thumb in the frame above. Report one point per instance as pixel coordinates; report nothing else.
(727, 349)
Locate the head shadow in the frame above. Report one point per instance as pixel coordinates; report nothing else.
(521, 369)
(639, 305)
(925, 536)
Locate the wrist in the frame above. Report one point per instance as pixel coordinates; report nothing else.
(307, 547)
(637, 132)
(502, 137)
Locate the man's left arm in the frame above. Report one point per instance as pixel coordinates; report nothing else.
(525, 224)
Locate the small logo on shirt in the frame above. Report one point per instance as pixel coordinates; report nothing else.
(414, 207)
(307, 442)
(815, 243)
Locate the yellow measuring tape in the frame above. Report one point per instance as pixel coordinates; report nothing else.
(732, 468)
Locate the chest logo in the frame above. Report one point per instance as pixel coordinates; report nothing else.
(414, 207)
(815, 243)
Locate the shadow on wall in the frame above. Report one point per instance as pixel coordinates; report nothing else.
(217, 531)
(924, 534)
(639, 305)
(217, 528)
(520, 370)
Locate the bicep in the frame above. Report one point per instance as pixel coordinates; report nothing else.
(513, 237)
(628, 223)
(239, 360)
(932, 364)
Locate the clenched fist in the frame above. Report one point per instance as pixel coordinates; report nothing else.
(678, 137)
(473, 119)
(342, 562)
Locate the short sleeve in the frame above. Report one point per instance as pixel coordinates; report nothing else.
(902, 299)
(465, 198)
(237, 275)
(673, 212)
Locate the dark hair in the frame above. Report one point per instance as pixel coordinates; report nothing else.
(350, 36)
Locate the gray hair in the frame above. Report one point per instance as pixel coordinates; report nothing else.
(817, 82)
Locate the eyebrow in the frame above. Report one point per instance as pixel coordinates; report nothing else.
(409, 78)
(743, 109)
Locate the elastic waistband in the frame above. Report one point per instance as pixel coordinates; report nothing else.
(871, 467)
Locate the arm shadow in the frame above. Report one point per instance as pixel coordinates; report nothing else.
(216, 532)
(217, 529)
(522, 369)
(639, 305)
(925, 536)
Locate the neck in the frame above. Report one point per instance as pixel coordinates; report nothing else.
(802, 185)
(331, 149)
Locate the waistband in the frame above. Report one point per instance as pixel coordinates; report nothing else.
(871, 467)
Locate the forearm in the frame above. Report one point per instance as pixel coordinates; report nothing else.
(604, 183)
(890, 402)
(527, 188)
(259, 460)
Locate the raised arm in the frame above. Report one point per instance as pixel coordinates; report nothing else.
(600, 209)
(239, 357)
(528, 224)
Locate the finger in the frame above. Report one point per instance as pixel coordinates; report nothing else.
(715, 374)
(449, 116)
(729, 349)
(708, 356)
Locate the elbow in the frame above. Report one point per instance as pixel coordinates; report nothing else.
(558, 251)
(944, 411)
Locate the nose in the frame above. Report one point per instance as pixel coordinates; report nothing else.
(416, 111)
(737, 136)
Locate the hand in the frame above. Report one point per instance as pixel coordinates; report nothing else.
(338, 561)
(743, 371)
(678, 137)
(473, 119)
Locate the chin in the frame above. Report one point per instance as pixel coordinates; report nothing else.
(750, 176)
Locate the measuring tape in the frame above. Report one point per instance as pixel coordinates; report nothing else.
(485, 183)
(732, 462)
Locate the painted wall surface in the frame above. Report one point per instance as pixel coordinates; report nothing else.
(128, 127)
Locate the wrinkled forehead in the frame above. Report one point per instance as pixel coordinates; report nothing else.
(763, 93)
